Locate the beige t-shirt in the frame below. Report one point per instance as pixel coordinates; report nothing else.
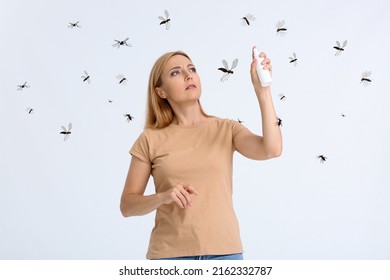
(200, 155)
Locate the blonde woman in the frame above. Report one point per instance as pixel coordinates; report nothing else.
(189, 154)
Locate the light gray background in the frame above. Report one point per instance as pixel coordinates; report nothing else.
(60, 199)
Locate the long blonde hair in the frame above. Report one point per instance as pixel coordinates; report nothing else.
(159, 113)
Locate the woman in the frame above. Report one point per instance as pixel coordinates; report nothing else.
(189, 154)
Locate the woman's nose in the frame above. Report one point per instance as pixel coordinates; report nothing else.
(188, 75)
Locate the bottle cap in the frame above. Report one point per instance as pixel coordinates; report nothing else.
(256, 52)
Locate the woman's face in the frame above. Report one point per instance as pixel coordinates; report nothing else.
(180, 81)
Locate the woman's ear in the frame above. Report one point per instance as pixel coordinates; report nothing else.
(160, 92)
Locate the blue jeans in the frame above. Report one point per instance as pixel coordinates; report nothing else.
(238, 256)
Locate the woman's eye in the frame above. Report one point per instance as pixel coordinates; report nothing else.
(193, 69)
(175, 73)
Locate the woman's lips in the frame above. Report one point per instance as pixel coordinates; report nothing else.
(192, 86)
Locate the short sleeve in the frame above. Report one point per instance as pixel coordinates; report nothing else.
(140, 148)
(237, 127)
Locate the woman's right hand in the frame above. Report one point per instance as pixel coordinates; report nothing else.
(180, 194)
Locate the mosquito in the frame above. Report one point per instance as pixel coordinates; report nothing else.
(76, 24)
(322, 158)
(21, 87)
(343, 115)
(87, 77)
(29, 110)
(245, 21)
(165, 20)
(122, 79)
(293, 59)
(280, 29)
(282, 97)
(225, 69)
(66, 132)
(339, 48)
(110, 101)
(121, 43)
(240, 121)
(278, 122)
(128, 117)
(365, 80)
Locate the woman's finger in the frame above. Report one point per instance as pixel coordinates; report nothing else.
(187, 197)
(191, 189)
(179, 198)
(183, 193)
(178, 201)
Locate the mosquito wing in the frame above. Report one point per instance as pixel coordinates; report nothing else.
(344, 43)
(234, 64)
(166, 13)
(66, 137)
(225, 77)
(280, 24)
(119, 77)
(125, 40)
(250, 17)
(63, 128)
(161, 18)
(366, 74)
(167, 25)
(69, 126)
(225, 64)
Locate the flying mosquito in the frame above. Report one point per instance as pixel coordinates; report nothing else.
(165, 20)
(87, 77)
(322, 158)
(66, 132)
(293, 59)
(245, 21)
(343, 115)
(365, 80)
(278, 122)
(240, 121)
(76, 24)
(280, 29)
(21, 87)
(122, 79)
(121, 43)
(282, 97)
(225, 69)
(110, 101)
(339, 48)
(30, 110)
(128, 117)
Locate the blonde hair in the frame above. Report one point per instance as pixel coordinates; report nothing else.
(159, 113)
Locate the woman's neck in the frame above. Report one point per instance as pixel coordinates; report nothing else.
(188, 116)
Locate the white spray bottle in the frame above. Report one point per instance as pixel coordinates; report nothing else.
(263, 74)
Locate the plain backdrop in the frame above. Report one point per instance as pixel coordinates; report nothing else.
(60, 199)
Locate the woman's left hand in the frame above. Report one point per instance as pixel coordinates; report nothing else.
(266, 64)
